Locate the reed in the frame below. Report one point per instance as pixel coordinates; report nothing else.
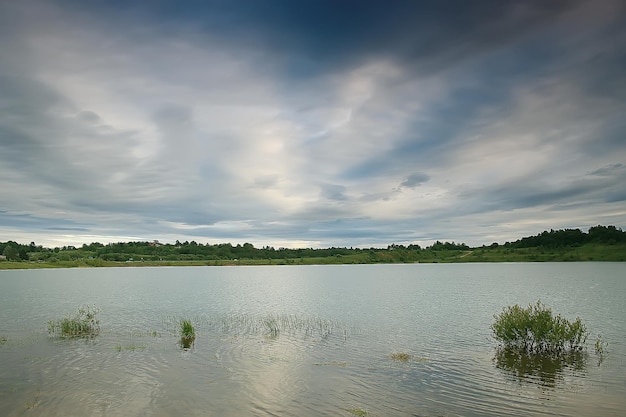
(600, 345)
(82, 324)
(187, 334)
(272, 325)
(132, 347)
(277, 324)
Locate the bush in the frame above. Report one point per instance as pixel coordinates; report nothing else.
(83, 324)
(536, 330)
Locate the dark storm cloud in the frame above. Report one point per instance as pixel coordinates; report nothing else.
(314, 36)
(421, 32)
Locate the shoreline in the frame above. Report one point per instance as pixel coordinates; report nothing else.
(10, 265)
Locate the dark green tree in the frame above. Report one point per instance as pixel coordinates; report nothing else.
(11, 252)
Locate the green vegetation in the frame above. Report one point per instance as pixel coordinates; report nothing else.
(401, 357)
(34, 403)
(537, 343)
(600, 345)
(272, 324)
(275, 324)
(3, 340)
(82, 324)
(133, 347)
(187, 334)
(535, 330)
(358, 411)
(600, 243)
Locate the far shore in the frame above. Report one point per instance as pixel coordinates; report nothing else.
(457, 257)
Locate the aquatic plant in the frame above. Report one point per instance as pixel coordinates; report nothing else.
(29, 405)
(82, 324)
(272, 324)
(358, 411)
(276, 324)
(187, 334)
(3, 340)
(132, 347)
(600, 345)
(400, 356)
(536, 330)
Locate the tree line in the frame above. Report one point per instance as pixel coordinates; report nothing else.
(156, 251)
(607, 235)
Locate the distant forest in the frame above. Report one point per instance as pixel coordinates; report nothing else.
(549, 245)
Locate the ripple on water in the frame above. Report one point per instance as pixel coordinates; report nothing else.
(310, 366)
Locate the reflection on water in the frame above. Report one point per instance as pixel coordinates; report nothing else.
(543, 369)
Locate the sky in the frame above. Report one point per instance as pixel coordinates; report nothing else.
(348, 123)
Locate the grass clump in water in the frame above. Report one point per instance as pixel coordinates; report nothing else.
(272, 324)
(82, 324)
(358, 411)
(535, 330)
(187, 334)
(601, 345)
(401, 356)
(133, 347)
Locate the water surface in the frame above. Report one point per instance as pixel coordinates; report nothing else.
(330, 352)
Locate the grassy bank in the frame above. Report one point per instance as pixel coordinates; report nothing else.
(582, 253)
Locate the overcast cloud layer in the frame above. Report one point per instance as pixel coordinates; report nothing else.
(310, 123)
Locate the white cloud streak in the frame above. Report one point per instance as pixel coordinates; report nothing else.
(115, 132)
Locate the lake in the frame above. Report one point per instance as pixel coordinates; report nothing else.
(307, 341)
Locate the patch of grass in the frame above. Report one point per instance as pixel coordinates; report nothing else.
(82, 324)
(133, 347)
(536, 330)
(401, 356)
(187, 334)
(144, 333)
(358, 411)
(29, 405)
